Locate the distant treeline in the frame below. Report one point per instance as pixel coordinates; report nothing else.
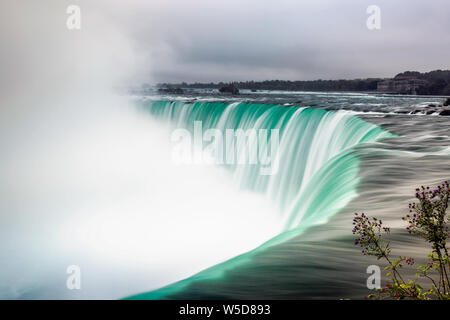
(430, 83)
(313, 85)
(437, 82)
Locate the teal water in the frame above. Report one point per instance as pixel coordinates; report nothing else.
(97, 188)
(317, 174)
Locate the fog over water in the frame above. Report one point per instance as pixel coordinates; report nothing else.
(88, 180)
(85, 174)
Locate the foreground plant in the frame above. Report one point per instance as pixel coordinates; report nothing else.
(428, 219)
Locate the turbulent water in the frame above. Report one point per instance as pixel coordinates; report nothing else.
(96, 187)
(316, 169)
(339, 153)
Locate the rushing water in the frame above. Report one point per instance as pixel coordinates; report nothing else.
(320, 175)
(316, 168)
(100, 191)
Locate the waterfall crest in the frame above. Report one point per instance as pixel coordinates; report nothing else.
(317, 172)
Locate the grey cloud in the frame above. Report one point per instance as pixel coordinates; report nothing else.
(203, 40)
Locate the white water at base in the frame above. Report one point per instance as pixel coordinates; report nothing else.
(94, 187)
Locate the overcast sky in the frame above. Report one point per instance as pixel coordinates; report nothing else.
(209, 40)
(204, 40)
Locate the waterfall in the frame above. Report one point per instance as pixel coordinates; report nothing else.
(317, 170)
(317, 174)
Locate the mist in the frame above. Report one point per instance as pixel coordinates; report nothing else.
(87, 178)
